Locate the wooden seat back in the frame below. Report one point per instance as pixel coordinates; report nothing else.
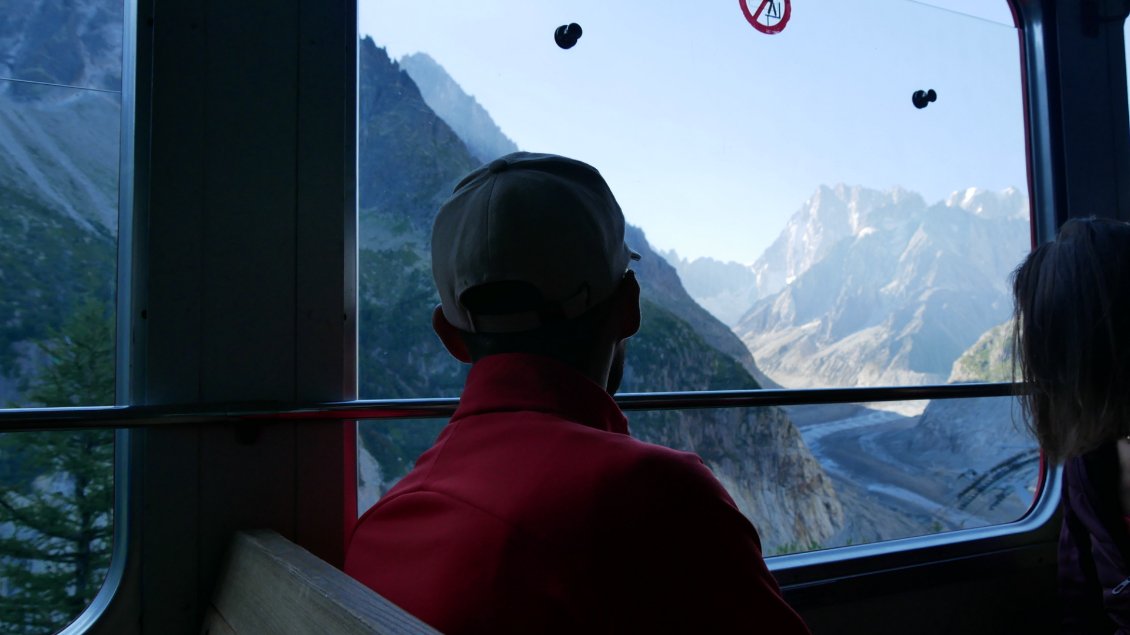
(271, 585)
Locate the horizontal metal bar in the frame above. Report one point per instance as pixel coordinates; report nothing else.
(26, 419)
(808, 396)
(55, 85)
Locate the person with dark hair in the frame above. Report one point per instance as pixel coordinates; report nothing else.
(535, 511)
(1072, 346)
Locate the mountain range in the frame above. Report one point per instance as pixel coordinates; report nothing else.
(867, 288)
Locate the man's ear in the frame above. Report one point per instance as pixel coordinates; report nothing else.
(451, 337)
(628, 301)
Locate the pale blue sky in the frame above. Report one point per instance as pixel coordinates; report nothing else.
(711, 133)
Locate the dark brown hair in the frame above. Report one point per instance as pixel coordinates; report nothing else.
(1071, 338)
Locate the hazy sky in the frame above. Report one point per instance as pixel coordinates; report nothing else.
(712, 133)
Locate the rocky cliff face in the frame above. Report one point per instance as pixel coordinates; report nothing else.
(879, 288)
(408, 162)
(58, 169)
(758, 455)
(73, 42)
(59, 144)
(979, 448)
(989, 359)
(408, 158)
(461, 111)
(980, 433)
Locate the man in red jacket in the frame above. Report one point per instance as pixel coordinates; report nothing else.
(535, 511)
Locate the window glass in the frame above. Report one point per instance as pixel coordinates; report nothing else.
(839, 475)
(60, 110)
(795, 203)
(386, 452)
(824, 194)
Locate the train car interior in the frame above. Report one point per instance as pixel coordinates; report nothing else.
(215, 293)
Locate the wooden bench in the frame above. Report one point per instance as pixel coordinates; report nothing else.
(272, 586)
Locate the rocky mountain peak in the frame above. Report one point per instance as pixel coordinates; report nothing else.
(410, 158)
(830, 215)
(1007, 203)
(461, 111)
(895, 302)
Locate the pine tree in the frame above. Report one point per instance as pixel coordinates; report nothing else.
(56, 491)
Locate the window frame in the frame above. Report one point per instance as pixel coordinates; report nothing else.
(1061, 139)
(179, 42)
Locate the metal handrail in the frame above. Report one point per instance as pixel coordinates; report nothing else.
(27, 419)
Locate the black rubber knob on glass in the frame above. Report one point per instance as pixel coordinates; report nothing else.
(567, 35)
(923, 98)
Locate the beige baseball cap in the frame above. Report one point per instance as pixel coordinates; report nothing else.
(541, 219)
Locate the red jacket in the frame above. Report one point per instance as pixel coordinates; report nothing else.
(535, 512)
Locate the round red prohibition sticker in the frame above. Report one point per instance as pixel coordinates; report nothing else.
(767, 16)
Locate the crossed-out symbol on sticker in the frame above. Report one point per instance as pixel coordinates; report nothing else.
(767, 16)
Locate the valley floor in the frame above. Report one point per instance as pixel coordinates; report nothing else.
(887, 494)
